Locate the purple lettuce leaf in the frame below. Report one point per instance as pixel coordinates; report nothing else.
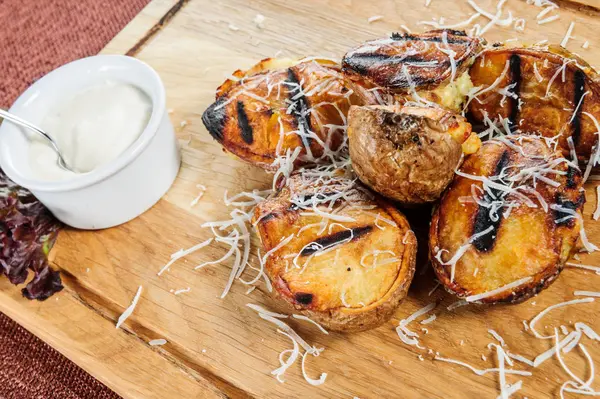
(27, 232)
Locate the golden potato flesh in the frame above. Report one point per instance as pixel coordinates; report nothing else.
(408, 154)
(512, 214)
(348, 273)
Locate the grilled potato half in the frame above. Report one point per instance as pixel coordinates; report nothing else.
(348, 270)
(280, 105)
(434, 64)
(511, 218)
(545, 91)
(408, 154)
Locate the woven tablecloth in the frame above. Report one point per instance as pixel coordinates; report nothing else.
(37, 36)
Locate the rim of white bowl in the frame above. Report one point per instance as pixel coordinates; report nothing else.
(112, 167)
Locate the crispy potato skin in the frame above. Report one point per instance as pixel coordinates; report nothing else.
(371, 293)
(548, 115)
(407, 154)
(250, 116)
(383, 61)
(527, 243)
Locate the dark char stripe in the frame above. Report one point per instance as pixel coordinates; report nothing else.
(214, 119)
(300, 112)
(515, 73)
(244, 124)
(304, 298)
(454, 37)
(483, 221)
(579, 90)
(366, 63)
(574, 206)
(335, 238)
(572, 175)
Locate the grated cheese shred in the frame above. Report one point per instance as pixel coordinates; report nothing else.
(131, 308)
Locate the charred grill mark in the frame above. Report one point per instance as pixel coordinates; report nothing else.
(303, 298)
(363, 63)
(578, 89)
(303, 198)
(515, 73)
(375, 65)
(244, 123)
(335, 238)
(574, 206)
(301, 109)
(452, 37)
(572, 174)
(214, 119)
(267, 217)
(482, 220)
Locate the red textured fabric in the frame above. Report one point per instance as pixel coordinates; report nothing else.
(36, 36)
(31, 369)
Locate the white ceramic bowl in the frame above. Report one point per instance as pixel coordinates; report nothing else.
(113, 193)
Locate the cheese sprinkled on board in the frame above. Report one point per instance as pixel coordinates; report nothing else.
(131, 308)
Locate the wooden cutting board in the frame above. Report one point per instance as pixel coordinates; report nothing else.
(219, 347)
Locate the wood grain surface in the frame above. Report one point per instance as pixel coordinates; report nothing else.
(219, 347)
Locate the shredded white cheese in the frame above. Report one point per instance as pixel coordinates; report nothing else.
(475, 298)
(596, 214)
(497, 337)
(586, 267)
(182, 253)
(533, 321)
(375, 18)
(568, 35)
(320, 327)
(130, 309)
(480, 371)
(259, 21)
(199, 196)
(183, 290)
(587, 293)
(548, 20)
(520, 24)
(312, 381)
(589, 247)
(157, 342)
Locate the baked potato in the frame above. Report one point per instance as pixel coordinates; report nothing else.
(279, 105)
(433, 64)
(336, 253)
(512, 214)
(408, 154)
(546, 91)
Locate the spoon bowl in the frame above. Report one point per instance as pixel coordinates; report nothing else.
(22, 122)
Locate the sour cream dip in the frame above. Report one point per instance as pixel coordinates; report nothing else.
(92, 128)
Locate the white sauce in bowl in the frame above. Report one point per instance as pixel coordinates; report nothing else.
(91, 129)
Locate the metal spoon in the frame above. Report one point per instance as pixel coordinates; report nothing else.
(15, 119)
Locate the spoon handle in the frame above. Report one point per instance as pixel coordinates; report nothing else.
(15, 119)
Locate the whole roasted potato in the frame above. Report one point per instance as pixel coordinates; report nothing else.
(408, 154)
(335, 252)
(508, 223)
